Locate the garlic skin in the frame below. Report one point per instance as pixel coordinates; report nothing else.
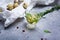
(31, 26)
(13, 13)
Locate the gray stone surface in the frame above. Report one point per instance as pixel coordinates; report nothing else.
(51, 22)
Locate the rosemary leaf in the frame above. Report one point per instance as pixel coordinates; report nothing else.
(47, 31)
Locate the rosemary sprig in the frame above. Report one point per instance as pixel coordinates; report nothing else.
(48, 11)
(47, 31)
(35, 18)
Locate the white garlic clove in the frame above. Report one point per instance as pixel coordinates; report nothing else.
(31, 26)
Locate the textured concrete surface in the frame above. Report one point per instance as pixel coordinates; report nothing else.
(51, 22)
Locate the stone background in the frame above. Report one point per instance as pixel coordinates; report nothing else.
(49, 22)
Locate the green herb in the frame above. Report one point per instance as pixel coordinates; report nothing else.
(47, 31)
(50, 10)
(35, 18)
